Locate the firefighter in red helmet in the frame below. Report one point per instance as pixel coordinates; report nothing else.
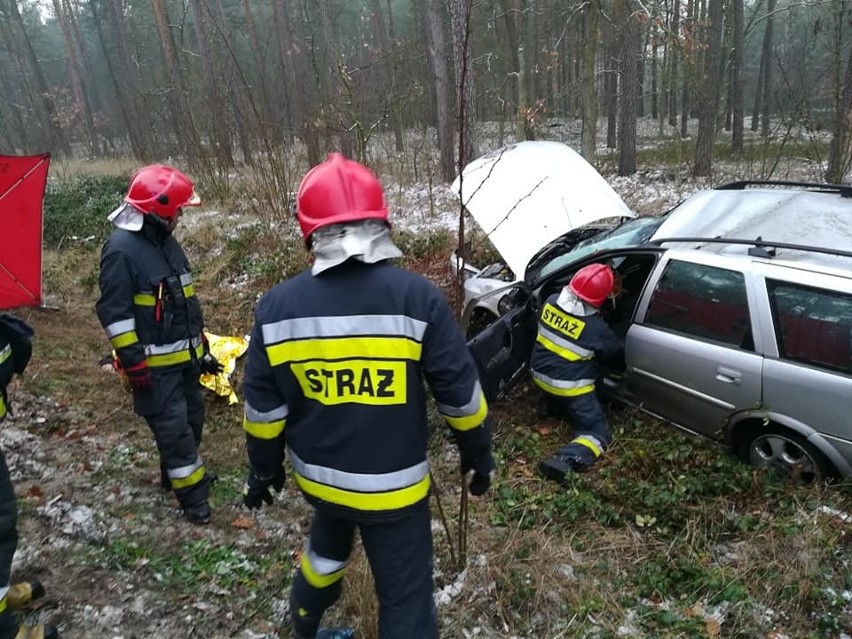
(153, 320)
(573, 341)
(334, 376)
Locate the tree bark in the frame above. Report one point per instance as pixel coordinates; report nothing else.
(768, 46)
(688, 71)
(466, 96)
(56, 138)
(840, 154)
(387, 71)
(588, 141)
(631, 89)
(737, 99)
(709, 103)
(80, 96)
(674, 57)
(443, 89)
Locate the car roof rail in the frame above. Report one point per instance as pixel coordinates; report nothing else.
(758, 243)
(844, 190)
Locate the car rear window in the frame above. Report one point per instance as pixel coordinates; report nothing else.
(812, 325)
(702, 301)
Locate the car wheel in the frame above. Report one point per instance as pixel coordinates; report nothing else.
(783, 452)
(479, 321)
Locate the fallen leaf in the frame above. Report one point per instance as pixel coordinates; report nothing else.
(35, 491)
(714, 628)
(243, 523)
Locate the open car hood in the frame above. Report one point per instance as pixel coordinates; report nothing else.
(526, 195)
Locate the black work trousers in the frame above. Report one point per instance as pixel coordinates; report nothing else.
(8, 545)
(592, 434)
(400, 556)
(174, 410)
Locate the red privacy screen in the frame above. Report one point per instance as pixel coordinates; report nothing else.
(22, 183)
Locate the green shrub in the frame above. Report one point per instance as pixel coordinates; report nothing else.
(77, 208)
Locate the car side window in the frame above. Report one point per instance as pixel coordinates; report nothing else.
(703, 301)
(812, 325)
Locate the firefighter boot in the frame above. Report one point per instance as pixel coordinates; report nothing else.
(21, 594)
(198, 514)
(560, 466)
(41, 631)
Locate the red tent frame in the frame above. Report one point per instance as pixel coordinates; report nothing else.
(22, 184)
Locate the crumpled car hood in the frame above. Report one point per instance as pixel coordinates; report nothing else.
(526, 195)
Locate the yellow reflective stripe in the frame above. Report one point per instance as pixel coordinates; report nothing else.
(189, 480)
(344, 348)
(169, 359)
(125, 339)
(188, 290)
(264, 430)
(389, 500)
(144, 299)
(588, 443)
(468, 422)
(564, 353)
(3, 604)
(6, 353)
(564, 392)
(316, 579)
(2, 407)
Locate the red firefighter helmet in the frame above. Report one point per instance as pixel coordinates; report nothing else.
(338, 191)
(593, 283)
(161, 190)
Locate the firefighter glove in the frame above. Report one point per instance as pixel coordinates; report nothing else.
(139, 376)
(210, 365)
(483, 471)
(257, 490)
(479, 484)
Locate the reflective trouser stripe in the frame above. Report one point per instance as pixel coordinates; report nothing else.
(468, 416)
(6, 353)
(2, 407)
(186, 476)
(563, 388)
(390, 500)
(3, 598)
(589, 442)
(321, 572)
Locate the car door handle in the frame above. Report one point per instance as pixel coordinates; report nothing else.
(728, 375)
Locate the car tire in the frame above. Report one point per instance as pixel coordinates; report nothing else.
(786, 452)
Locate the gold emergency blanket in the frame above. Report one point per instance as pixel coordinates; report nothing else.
(226, 349)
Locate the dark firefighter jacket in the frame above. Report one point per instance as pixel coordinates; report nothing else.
(15, 352)
(340, 359)
(568, 349)
(148, 306)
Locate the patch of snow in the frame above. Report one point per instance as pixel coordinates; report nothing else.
(449, 592)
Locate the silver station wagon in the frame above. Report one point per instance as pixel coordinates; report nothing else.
(737, 320)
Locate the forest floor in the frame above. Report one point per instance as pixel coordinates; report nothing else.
(669, 537)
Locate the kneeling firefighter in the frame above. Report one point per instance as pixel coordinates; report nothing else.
(15, 353)
(573, 341)
(153, 320)
(339, 354)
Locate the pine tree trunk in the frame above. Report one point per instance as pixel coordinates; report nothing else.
(588, 142)
(737, 99)
(768, 46)
(387, 71)
(631, 89)
(710, 89)
(840, 153)
(443, 89)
